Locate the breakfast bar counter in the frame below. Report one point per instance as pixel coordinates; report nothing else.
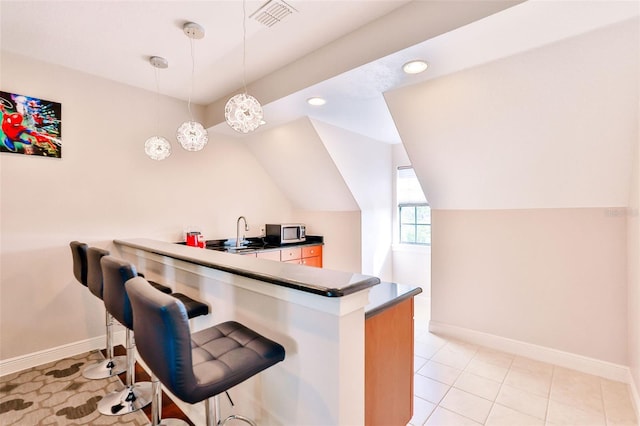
(317, 314)
(323, 282)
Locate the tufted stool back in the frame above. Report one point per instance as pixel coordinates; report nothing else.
(197, 366)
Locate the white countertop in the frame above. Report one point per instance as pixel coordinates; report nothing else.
(321, 281)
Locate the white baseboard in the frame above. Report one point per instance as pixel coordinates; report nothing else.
(605, 369)
(19, 363)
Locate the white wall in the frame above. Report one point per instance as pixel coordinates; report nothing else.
(526, 162)
(342, 249)
(365, 166)
(411, 264)
(104, 187)
(551, 277)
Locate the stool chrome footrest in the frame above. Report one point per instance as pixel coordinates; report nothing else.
(126, 401)
(238, 417)
(212, 409)
(107, 368)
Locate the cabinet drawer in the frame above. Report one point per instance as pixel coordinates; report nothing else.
(312, 261)
(271, 255)
(311, 251)
(293, 253)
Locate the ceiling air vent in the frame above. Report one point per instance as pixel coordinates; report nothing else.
(272, 12)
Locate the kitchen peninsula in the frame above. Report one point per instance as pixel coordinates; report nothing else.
(318, 315)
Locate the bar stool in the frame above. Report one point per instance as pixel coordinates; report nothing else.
(194, 367)
(111, 366)
(135, 395)
(194, 308)
(115, 272)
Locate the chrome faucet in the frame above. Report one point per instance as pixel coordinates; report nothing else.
(246, 228)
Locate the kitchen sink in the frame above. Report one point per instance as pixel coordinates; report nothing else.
(229, 246)
(242, 248)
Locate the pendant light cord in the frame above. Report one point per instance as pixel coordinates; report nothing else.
(244, 45)
(155, 72)
(193, 68)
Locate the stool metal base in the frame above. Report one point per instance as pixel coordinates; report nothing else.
(212, 410)
(126, 401)
(107, 368)
(238, 417)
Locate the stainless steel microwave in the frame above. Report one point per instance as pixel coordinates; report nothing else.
(285, 233)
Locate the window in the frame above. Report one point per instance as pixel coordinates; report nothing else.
(415, 223)
(414, 213)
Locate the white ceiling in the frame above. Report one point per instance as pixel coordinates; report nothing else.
(114, 39)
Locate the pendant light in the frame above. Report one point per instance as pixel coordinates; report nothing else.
(192, 135)
(243, 112)
(157, 147)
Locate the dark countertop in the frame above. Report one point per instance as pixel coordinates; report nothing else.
(320, 281)
(386, 295)
(255, 244)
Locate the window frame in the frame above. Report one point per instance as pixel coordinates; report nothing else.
(415, 224)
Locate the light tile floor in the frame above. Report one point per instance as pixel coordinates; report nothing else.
(457, 383)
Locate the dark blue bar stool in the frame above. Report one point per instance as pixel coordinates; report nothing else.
(115, 273)
(194, 367)
(111, 366)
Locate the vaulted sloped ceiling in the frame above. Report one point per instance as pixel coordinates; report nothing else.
(298, 162)
(364, 164)
(552, 127)
(321, 167)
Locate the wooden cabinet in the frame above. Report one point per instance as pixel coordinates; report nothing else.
(301, 255)
(389, 366)
(312, 256)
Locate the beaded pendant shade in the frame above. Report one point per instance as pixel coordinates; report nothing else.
(192, 135)
(157, 147)
(243, 112)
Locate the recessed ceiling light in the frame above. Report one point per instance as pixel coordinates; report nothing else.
(415, 67)
(316, 101)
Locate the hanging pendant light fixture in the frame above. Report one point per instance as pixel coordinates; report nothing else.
(243, 112)
(157, 147)
(192, 135)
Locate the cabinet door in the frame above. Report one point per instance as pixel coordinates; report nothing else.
(388, 363)
(293, 253)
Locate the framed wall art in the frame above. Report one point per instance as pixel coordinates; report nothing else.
(30, 126)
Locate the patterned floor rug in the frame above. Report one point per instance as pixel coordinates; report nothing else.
(57, 394)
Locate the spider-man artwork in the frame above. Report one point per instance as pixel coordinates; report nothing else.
(30, 126)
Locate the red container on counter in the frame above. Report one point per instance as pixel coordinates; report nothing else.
(193, 239)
